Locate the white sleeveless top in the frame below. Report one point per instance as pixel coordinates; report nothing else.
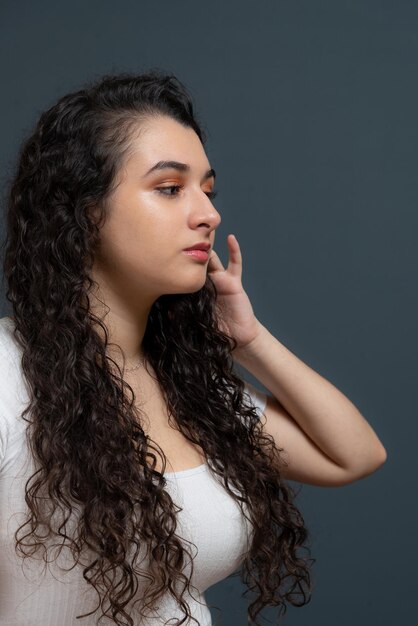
(47, 595)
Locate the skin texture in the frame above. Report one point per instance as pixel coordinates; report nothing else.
(141, 253)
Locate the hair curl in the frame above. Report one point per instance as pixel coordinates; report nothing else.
(85, 431)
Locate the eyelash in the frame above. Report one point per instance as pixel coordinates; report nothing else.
(210, 194)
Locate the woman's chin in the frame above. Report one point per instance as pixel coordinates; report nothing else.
(189, 286)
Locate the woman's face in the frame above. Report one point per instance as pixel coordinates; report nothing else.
(149, 224)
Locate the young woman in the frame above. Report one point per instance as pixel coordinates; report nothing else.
(118, 364)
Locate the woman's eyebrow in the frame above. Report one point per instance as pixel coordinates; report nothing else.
(182, 167)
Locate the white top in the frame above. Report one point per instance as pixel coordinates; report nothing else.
(40, 595)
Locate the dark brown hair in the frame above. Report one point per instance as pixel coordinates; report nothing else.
(84, 430)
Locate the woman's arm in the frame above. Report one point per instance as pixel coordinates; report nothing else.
(327, 440)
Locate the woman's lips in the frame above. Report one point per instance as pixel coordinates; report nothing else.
(200, 255)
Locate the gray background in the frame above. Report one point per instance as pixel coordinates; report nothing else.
(311, 110)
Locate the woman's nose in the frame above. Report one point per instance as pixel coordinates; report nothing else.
(207, 213)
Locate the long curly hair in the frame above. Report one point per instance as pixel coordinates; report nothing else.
(84, 429)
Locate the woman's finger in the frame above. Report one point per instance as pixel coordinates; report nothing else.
(215, 262)
(235, 257)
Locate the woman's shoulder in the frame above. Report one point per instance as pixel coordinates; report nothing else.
(6, 325)
(7, 341)
(10, 386)
(10, 361)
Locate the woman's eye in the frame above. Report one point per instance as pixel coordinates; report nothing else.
(163, 190)
(210, 194)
